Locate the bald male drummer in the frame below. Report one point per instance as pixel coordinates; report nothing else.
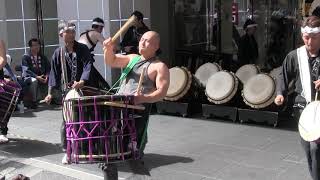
(154, 85)
(91, 38)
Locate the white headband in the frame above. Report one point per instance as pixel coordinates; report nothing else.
(73, 28)
(310, 30)
(97, 23)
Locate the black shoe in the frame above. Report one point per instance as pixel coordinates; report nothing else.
(34, 105)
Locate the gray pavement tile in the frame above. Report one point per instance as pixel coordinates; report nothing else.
(47, 175)
(203, 166)
(266, 160)
(295, 172)
(227, 153)
(167, 174)
(246, 142)
(240, 172)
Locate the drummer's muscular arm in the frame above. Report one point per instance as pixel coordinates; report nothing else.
(112, 59)
(3, 57)
(162, 84)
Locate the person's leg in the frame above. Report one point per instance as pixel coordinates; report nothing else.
(306, 148)
(110, 171)
(33, 89)
(315, 160)
(3, 133)
(141, 128)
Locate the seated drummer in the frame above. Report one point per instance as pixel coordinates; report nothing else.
(154, 87)
(3, 62)
(78, 63)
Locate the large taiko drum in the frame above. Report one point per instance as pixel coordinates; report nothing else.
(222, 87)
(100, 128)
(205, 71)
(183, 86)
(9, 94)
(259, 91)
(245, 72)
(309, 122)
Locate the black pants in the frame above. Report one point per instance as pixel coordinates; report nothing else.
(312, 152)
(3, 129)
(110, 171)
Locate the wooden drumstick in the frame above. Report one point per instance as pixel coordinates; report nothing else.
(124, 28)
(141, 80)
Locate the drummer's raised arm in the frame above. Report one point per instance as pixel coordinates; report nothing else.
(3, 57)
(112, 59)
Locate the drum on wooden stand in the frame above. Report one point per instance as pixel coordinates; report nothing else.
(205, 71)
(245, 72)
(183, 86)
(100, 128)
(259, 91)
(222, 88)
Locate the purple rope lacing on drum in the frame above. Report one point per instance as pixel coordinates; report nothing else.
(68, 132)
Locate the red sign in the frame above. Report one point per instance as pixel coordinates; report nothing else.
(235, 15)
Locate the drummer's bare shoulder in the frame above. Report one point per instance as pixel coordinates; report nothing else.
(121, 61)
(159, 70)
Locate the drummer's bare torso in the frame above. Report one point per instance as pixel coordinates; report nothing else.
(153, 67)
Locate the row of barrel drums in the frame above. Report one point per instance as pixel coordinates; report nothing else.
(247, 87)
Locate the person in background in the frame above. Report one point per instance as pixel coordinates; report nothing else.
(130, 41)
(35, 71)
(248, 52)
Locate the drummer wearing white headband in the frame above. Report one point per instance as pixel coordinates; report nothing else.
(301, 67)
(77, 60)
(91, 38)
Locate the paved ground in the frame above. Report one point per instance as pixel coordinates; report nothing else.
(178, 148)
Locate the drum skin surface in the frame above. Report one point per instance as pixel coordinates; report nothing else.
(178, 81)
(72, 94)
(205, 71)
(309, 122)
(245, 72)
(259, 91)
(220, 85)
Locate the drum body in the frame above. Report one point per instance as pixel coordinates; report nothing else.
(99, 132)
(309, 122)
(222, 88)
(245, 72)
(183, 86)
(9, 94)
(205, 71)
(259, 92)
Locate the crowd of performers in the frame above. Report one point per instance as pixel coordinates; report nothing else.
(78, 71)
(301, 66)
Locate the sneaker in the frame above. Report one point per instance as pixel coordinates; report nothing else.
(65, 159)
(3, 139)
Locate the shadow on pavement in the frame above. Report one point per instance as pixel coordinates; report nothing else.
(26, 148)
(151, 161)
(29, 113)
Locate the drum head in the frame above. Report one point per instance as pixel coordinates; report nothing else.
(245, 72)
(205, 71)
(220, 85)
(73, 93)
(309, 122)
(259, 89)
(178, 81)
